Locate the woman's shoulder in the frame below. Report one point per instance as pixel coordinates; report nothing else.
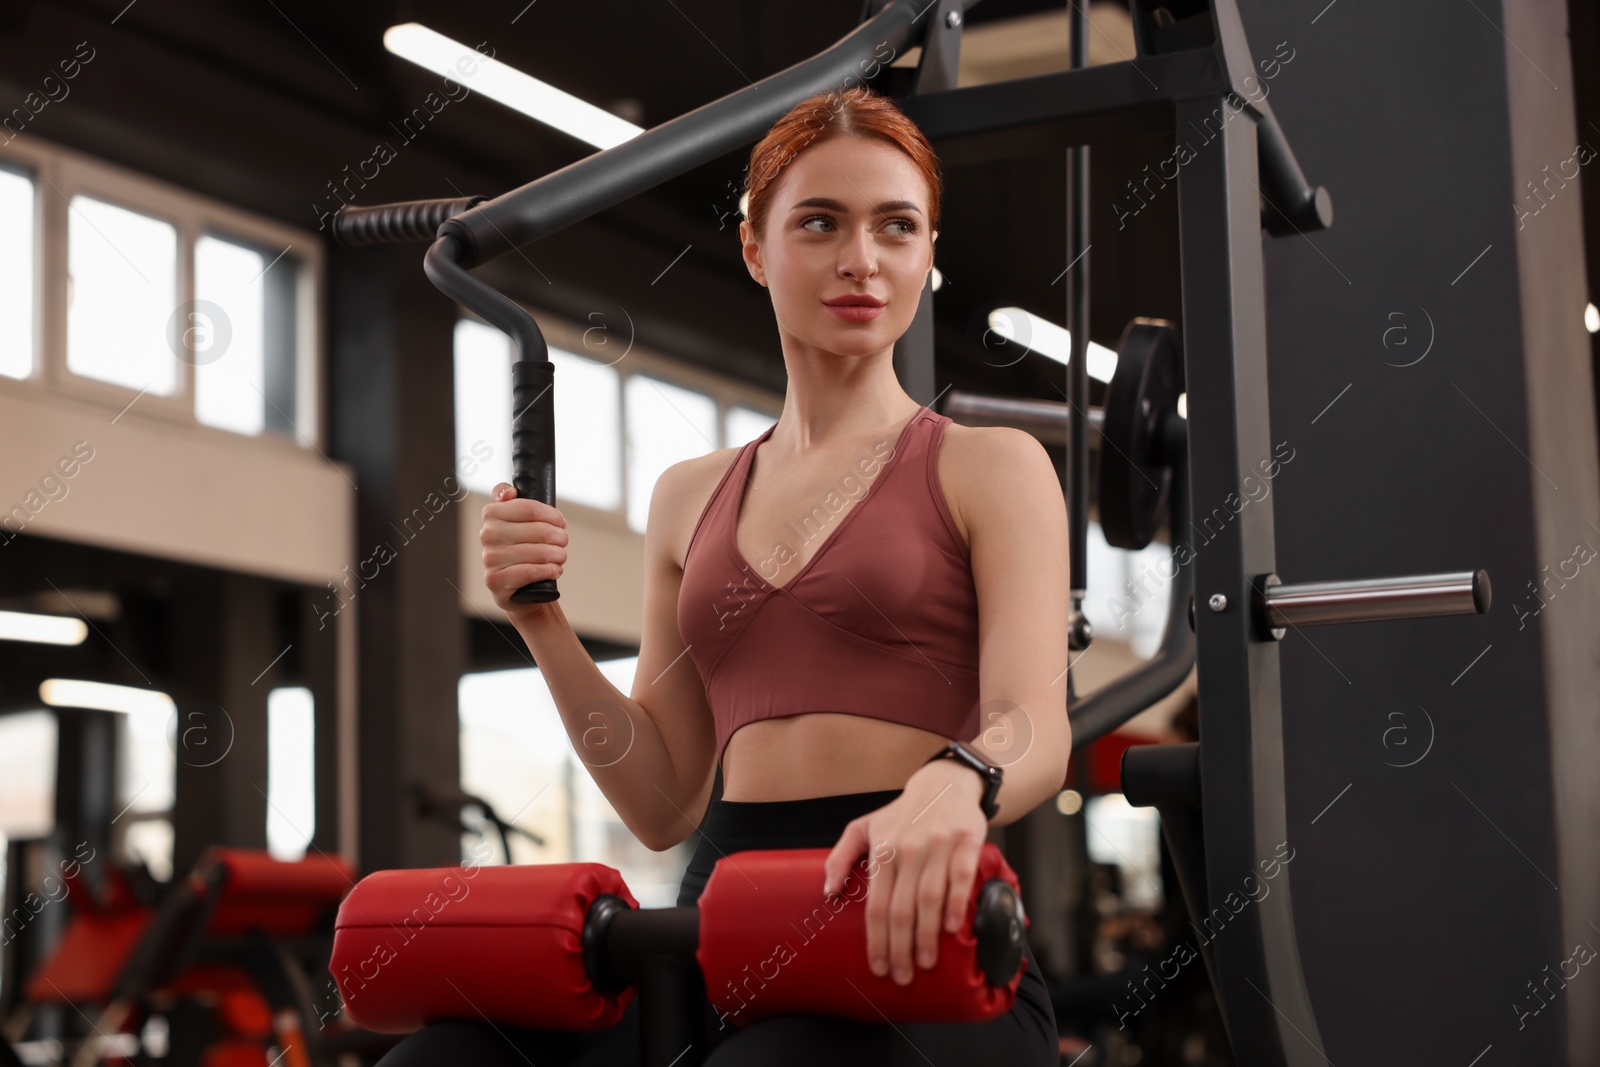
(977, 462)
(982, 450)
(682, 494)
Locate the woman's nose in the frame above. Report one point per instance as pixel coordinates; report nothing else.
(858, 257)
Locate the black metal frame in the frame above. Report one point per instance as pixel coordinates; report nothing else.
(1227, 193)
(1187, 71)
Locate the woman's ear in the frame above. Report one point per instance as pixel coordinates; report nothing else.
(752, 253)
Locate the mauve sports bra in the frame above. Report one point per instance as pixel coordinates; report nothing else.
(882, 621)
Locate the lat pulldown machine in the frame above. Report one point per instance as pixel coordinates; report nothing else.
(1222, 801)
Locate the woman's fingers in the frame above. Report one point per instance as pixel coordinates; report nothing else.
(504, 502)
(899, 916)
(930, 896)
(963, 874)
(852, 842)
(514, 512)
(508, 580)
(915, 893)
(510, 566)
(505, 555)
(523, 540)
(879, 888)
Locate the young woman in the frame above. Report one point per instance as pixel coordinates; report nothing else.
(826, 610)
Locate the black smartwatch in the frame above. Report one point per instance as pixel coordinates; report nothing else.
(991, 774)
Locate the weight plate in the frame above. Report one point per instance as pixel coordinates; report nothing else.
(1135, 479)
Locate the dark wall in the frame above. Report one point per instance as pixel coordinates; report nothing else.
(182, 112)
(217, 642)
(391, 367)
(1430, 370)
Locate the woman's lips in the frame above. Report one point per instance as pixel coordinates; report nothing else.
(855, 312)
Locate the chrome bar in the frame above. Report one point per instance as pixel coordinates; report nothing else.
(1374, 600)
(1048, 420)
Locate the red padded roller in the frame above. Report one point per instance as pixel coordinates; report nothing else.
(770, 944)
(89, 958)
(278, 896)
(502, 943)
(252, 872)
(233, 1053)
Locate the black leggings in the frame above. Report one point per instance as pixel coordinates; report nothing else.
(1023, 1037)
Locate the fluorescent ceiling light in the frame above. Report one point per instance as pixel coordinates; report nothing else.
(1591, 318)
(452, 59)
(73, 693)
(41, 629)
(1048, 339)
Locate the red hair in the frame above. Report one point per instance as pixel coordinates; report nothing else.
(856, 111)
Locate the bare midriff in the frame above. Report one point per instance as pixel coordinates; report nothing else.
(822, 754)
(795, 757)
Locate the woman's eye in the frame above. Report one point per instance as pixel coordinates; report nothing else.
(910, 226)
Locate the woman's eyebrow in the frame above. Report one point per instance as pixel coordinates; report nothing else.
(834, 205)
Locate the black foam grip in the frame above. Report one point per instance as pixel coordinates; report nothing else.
(533, 450)
(416, 220)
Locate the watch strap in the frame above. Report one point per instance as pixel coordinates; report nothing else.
(990, 773)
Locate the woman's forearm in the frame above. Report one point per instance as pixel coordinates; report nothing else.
(1032, 776)
(619, 743)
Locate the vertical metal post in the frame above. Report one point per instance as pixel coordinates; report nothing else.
(1077, 318)
(914, 352)
(670, 1018)
(1268, 1012)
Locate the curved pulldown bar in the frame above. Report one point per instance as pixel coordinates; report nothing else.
(474, 236)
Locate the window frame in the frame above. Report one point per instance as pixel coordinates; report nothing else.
(59, 174)
(22, 156)
(725, 393)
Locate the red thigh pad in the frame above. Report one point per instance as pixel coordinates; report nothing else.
(500, 943)
(770, 944)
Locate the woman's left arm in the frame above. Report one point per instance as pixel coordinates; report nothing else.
(1009, 496)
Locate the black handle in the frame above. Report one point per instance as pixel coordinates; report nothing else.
(413, 220)
(617, 939)
(533, 420)
(1293, 205)
(533, 450)
(533, 412)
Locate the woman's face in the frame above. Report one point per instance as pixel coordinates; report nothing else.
(848, 217)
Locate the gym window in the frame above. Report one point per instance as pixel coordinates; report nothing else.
(1133, 592)
(27, 776)
(588, 448)
(666, 423)
(618, 425)
(147, 786)
(291, 772)
(154, 301)
(1129, 839)
(515, 754)
(16, 274)
(742, 425)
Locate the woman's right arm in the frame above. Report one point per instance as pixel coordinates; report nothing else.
(652, 753)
